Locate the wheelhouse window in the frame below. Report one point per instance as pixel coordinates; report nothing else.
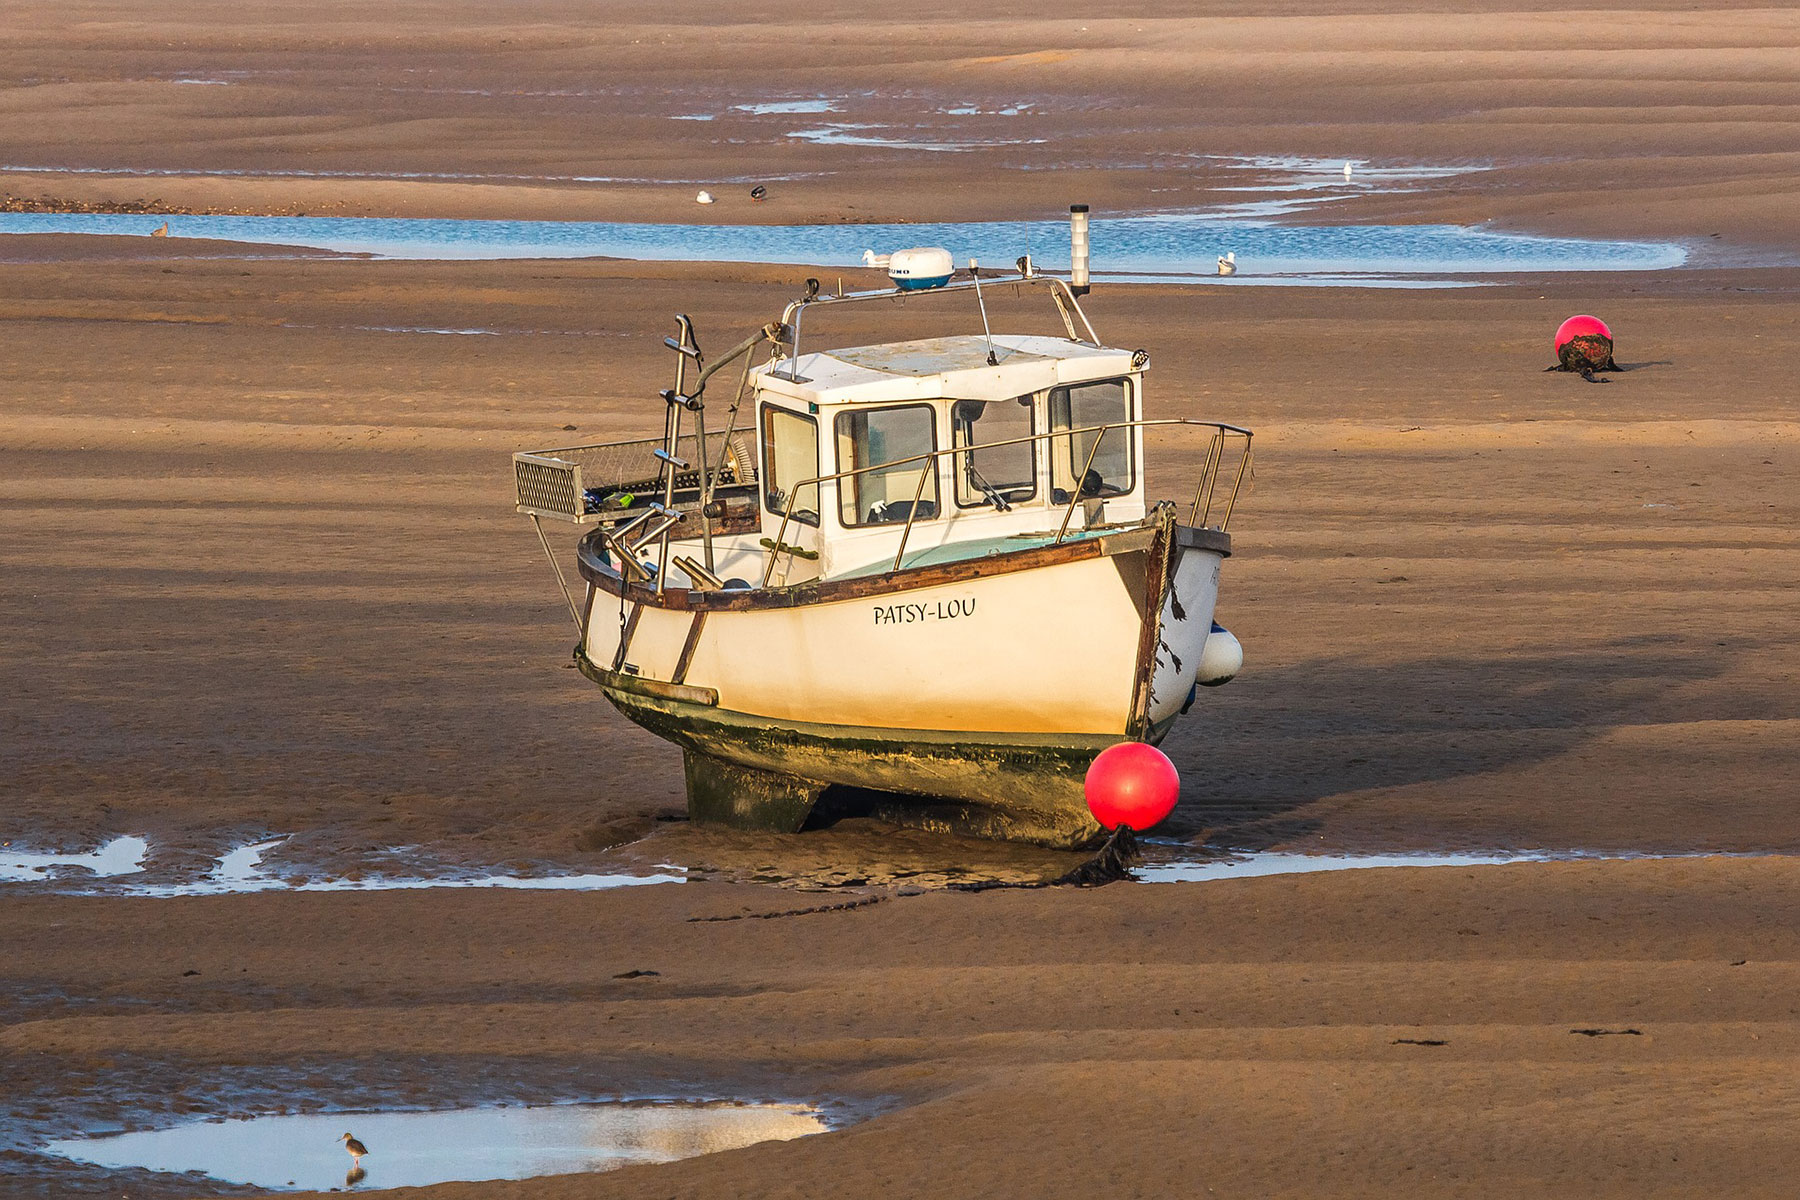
(872, 437)
(989, 474)
(1083, 406)
(790, 455)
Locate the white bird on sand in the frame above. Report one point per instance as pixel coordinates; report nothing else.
(1346, 172)
(872, 259)
(356, 1148)
(704, 198)
(1228, 264)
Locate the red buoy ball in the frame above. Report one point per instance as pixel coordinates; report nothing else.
(1582, 326)
(1131, 784)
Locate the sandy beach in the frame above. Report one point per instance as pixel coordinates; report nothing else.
(261, 579)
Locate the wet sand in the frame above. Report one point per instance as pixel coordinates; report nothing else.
(261, 577)
(1654, 118)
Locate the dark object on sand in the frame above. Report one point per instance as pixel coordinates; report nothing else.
(1584, 345)
(759, 192)
(1110, 864)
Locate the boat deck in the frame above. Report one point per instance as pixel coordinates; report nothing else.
(972, 548)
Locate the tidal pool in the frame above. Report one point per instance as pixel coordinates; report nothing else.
(241, 871)
(1170, 863)
(414, 1149)
(121, 856)
(1176, 247)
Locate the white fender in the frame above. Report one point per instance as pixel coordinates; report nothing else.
(1221, 659)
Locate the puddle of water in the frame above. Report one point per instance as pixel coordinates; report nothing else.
(121, 856)
(241, 872)
(775, 107)
(416, 1149)
(1162, 245)
(975, 110)
(843, 133)
(1163, 866)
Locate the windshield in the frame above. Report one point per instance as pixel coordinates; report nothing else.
(790, 454)
(987, 472)
(870, 437)
(1080, 406)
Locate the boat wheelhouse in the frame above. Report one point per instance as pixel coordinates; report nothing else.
(919, 578)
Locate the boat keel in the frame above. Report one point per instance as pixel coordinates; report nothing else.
(723, 793)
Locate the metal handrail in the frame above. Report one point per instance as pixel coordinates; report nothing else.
(1060, 292)
(1204, 491)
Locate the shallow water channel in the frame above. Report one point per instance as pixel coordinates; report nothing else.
(113, 868)
(1181, 247)
(413, 1149)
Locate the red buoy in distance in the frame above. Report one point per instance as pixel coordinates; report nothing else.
(1132, 784)
(1582, 326)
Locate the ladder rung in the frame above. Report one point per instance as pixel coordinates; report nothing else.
(680, 464)
(692, 352)
(674, 397)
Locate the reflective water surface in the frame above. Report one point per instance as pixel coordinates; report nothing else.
(241, 871)
(1171, 246)
(121, 856)
(1167, 863)
(413, 1149)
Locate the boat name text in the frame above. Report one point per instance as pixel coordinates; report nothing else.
(910, 614)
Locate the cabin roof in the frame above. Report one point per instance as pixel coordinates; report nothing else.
(953, 367)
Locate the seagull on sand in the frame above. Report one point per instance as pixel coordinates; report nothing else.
(356, 1148)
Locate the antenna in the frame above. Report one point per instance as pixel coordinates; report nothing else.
(975, 272)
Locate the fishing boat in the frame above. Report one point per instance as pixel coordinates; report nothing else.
(922, 579)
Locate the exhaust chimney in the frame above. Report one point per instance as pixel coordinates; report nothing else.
(1078, 249)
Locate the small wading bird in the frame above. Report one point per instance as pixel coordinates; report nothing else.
(759, 192)
(356, 1148)
(1228, 264)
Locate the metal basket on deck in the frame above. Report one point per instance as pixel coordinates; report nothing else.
(591, 484)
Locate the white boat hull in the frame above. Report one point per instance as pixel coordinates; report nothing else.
(986, 685)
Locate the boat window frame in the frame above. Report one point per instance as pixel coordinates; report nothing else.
(847, 484)
(769, 475)
(961, 455)
(1056, 433)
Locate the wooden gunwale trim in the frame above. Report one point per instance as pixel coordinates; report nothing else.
(1157, 574)
(631, 624)
(655, 689)
(886, 583)
(587, 611)
(688, 647)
